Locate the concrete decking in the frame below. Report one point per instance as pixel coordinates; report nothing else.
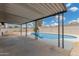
(75, 49)
(22, 46)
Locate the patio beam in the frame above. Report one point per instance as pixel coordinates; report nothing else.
(46, 16)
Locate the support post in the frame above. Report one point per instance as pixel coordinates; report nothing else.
(62, 30)
(3, 27)
(59, 30)
(36, 30)
(26, 30)
(21, 30)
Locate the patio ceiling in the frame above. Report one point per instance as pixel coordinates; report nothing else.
(19, 13)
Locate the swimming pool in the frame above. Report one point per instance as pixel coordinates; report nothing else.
(46, 36)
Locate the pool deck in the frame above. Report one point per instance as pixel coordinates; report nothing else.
(75, 49)
(14, 45)
(22, 46)
(70, 44)
(75, 43)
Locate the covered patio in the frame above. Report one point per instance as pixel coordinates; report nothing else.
(23, 14)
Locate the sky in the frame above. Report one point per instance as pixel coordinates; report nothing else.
(72, 15)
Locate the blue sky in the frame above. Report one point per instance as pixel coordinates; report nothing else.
(72, 15)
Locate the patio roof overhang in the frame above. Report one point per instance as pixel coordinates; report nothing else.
(19, 13)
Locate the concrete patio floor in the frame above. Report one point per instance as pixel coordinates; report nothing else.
(22, 46)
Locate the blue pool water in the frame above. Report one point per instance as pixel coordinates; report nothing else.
(52, 36)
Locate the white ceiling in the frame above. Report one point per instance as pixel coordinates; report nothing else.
(24, 12)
